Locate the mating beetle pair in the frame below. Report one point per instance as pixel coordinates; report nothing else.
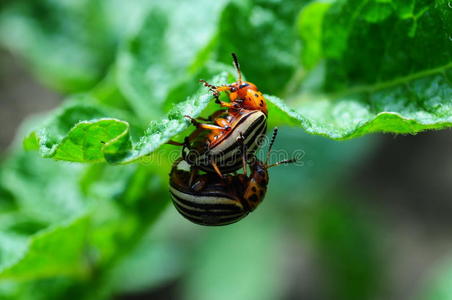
(223, 146)
(235, 132)
(213, 200)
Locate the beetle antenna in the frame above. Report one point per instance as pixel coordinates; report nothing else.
(237, 66)
(272, 141)
(282, 162)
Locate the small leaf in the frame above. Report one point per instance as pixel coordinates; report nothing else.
(85, 141)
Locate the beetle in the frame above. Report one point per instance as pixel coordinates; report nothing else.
(225, 151)
(242, 94)
(221, 147)
(214, 201)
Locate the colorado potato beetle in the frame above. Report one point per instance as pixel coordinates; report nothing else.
(220, 146)
(214, 201)
(242, 94)
(224, 151)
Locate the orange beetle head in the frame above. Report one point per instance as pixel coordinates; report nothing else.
(244, 93)
(247, 96)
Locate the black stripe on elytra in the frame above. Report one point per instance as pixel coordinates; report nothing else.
(242, 120)
(226, 221)
(217, 214)
(254, 139)
(234, 162)
(212, 221)
(203, 194)
(222, 206)
(257, 123)
(205, 163)
(259, 131)
(204, 159)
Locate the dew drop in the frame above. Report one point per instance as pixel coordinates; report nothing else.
(449, 4)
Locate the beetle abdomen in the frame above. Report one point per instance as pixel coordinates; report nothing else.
(207, 208)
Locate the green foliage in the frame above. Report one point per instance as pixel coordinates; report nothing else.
(377, 73)
(339, 69)
(438, 285)
(50, 253)
(353, 79)
(68, 44)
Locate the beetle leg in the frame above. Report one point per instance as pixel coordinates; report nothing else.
(199, 184)
(224, 104)
(216, 90)
(216, 114)
(217, 170)
(213, 127)
(208, 85)
(193, 173)
(171, 142)
(186, 142)
(213, 89)
(222, 88)
(223, 123)
(203, 119)
(206, 126)
(213, 116)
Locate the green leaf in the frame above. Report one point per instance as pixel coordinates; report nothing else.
(263, 36)
(161, 54)
(309, 28)
(50, 253)
(81, 132)
(43, 192)
(159, 250)
(419, 105)
(85, 142)
(68, 44)
(38, 198)
(374, 43)
(371, 81)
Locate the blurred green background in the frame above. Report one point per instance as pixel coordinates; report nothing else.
(366, 218)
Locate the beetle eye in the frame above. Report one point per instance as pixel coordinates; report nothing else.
(233, 89)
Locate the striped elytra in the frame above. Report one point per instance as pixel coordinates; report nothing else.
(209, 200)
(225, 149)
(230, 134)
